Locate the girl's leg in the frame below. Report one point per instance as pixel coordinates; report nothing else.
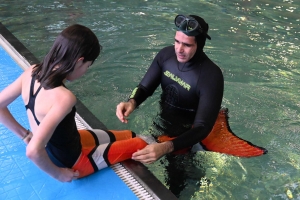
(89, 141)
(97, 156)
(98, 136)
(123, 150)
(122, 134)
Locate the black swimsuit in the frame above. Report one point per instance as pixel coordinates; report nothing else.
(64, 147)
(32, 98)
(192, 95)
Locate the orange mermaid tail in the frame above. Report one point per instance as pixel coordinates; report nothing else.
(221, 139)
(95, 156)
(123, 149)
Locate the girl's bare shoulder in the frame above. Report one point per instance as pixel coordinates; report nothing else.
(64, 95)
(27, 73)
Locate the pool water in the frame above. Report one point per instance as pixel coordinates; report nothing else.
(256, 45)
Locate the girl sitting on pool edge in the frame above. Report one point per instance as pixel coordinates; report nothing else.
(55, 145)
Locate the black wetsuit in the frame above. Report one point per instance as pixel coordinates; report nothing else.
(191, 98)
(64, 147)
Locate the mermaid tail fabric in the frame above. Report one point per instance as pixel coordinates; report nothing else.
(221, 139)
(102, 148)
(123, 149)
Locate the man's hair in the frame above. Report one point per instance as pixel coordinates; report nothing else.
(72, 43)
(201, 38)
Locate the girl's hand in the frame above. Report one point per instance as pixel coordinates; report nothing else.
(28, 137)
(68, 175)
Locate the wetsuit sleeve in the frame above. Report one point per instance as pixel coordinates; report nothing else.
(139, 94)
(149, 83)
(211, 93)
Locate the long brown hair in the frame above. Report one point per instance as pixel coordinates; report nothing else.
(72, 43)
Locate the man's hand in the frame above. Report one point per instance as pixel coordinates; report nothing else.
(153, 152)
(124, 109)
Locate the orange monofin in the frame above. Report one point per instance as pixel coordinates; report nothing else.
(221, 139)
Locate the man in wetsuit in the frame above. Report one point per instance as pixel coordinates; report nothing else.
(192, 88)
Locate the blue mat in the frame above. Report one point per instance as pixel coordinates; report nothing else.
(21, 179)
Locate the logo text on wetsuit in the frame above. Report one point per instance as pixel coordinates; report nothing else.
(177, 79)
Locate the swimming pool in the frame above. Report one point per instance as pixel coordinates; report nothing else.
(254, 43)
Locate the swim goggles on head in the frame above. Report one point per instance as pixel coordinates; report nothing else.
(188, 25)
